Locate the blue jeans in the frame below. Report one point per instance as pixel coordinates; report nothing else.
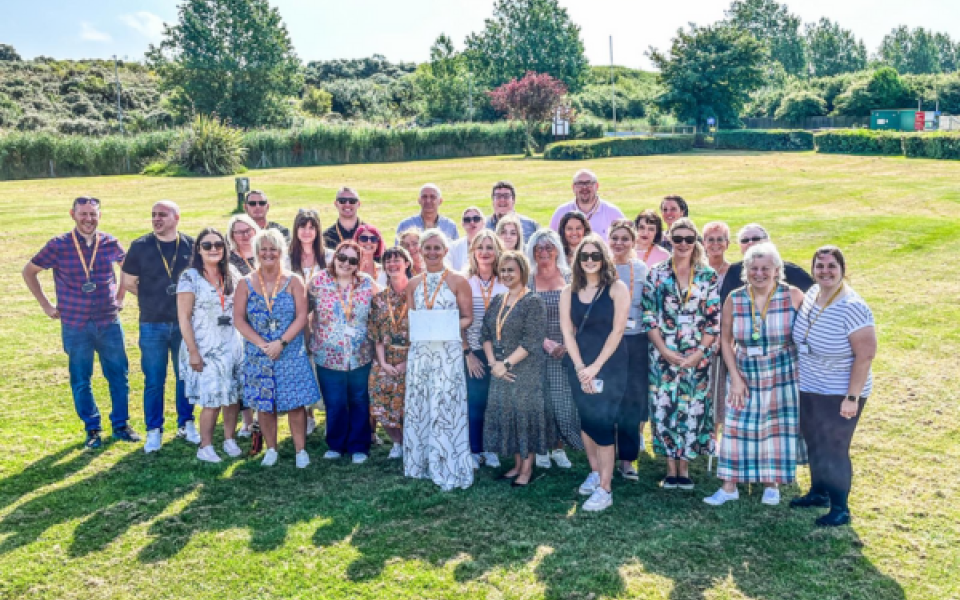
(346, 396)
(80, 343)
(478, 390)
(158, 342)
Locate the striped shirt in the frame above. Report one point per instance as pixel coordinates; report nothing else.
(479, 310)
(825, 369)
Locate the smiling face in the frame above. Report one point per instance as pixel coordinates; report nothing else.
(307, 233)
(762, 273)
(485, 252)
(347, 204)
(750, 237)
(503, 201)
(682, 244)
(87, 217)
(827, 271)
(510, 237)
(716, 243)
(573, 232)
(342, 262)
(269, 255)
(242, 235)
(369, 242)
(511, 274)
(411, 243)
(590, 258)
(257, 207)
(433, 252)
(585, 188)
(209, 251)
(545, 254)
(670, 211)
(621, 243)
(395, 266)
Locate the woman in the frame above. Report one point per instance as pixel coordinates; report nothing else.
(371, 246)
(837, 341)
(672, 208)
(513, 331)
(760, 436)
(240, 232)
(435, 440)
(271, 312)
(594, 310)
(716, 240)
(342, 351)
(389, 327)
(211, 352)
(649, 237)
(681, 313)
(573, 227)
(550, 275)
(485, 252)
(459, 255)
(410, 241)
(510, 232)
(635, 407)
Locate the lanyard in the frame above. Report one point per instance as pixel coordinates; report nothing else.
(395, 322)
(502, 318)
(486, 291)
(676, 279)
(759, 319)
(429, 302)
(166, 265)
(269, 298)
(83, 263)
(348, 306)
(811, 323)
(631, 282)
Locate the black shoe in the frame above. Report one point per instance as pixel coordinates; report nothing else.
(669, 483)
(684, 483)
(835, 518)
(126, 434)
(504, 477)
(810, 500)
(94, 441)
(517, 484)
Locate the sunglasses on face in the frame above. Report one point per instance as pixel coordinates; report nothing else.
(747, 240)
(368, 239)
(350, 260)
(208, 246)
(591, 256)
(684, 239)
(256, 202)
(472, 219)
(350, 201)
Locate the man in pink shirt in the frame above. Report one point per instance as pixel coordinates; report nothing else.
(600, 213)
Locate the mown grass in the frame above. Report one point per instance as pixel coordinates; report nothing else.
(118, 523)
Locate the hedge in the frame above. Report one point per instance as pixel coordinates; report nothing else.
(778, 140)
(932, 145)
(626, 146)
(860, 141)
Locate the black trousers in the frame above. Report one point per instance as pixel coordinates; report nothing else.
(828, 436)
(635, 406)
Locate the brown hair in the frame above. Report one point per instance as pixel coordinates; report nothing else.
(484, 234)
(574, 214)
(608, 272)
(304, 217)
(403, 254)
(223, 265)
(651, 216)
(679, 202)
(623, 224)
(504, 185)
(518, 258)
(345, 244)
(835, 253)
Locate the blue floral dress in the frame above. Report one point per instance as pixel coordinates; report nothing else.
(288, 382)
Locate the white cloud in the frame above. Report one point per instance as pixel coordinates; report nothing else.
(89, 33)
(146, 23)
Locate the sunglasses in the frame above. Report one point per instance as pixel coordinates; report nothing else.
(208, 246)
(350, 201)
(350, 260)
(368, 239)
(591, 256)
(473, 219)
(582, 183)
(87, 201)
(684, 239)
(256, 202)
(747, 240)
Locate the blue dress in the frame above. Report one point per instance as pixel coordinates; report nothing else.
(287, 383)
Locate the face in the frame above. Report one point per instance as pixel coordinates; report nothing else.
(683, 248)
(472, 223)
(269, 254)
(593, 256)
(621, 242)
(573, 232)
(670, 211)
(510, 237)
(510, 274)
(716, 242)
(762, 272)
(342, 260)
(545, 253)
(395, 266)
(369, 242)
(827, 271)
(486, 252)
(164, 219)
(750, 237)
(213, 252)
(307, 233)
(430, 200)
(242, 234)
(87, 217)
(503, 201)
(585, 188)
(433, 251)
(411, 243)
(347, 204)
(646, 233)
(257, 207)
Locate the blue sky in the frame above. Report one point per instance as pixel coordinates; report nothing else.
(404, 29)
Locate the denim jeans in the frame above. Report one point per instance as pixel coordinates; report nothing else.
(478, 390)
(347, 399)
(80, 343)
(158, 342)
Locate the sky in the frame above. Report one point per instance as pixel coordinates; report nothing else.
(403, 30)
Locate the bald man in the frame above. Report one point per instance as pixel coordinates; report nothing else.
(151, 272)
(430, 200)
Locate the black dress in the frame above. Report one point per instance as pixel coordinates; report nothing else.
(598, 412)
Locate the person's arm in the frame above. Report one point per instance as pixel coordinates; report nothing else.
(464, 302)
(129, 283)
(534, 329)
(621, 311)
(651, 322)
(31, 277)
(737, 394)
(185, 303)
(130, 270)
(863, 343)
(568, 328)
(711, 309)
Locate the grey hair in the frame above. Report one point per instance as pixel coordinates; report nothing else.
(753, 226)
(274, 237)
(592, 175)
(169, 204)
(431, 186)
(762, 250)
(433, 232)
(550, 236)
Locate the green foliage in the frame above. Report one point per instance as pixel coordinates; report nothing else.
(372, 101)
(940, 145)
(531, 101)
(799, 105)
(626, 146)
(635, 94)
(832, 50)
(319, 72)
(209, 147)
(859, 141)
(909, 51)
(444, 84)
(766, 139)
(316, 102)
(884, 89)
(9, 53)
(773, 25)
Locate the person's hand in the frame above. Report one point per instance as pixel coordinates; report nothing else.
(500, 371)
(588, 374)
(559, 351)
(119, 304)
(388, 370)
(672, 357)
(51, 311)
(401, 368)
(848, 409)
(273, 349)
(196, 362)
(737, 395)
(691, 361)
(474, 366)
(549, 345)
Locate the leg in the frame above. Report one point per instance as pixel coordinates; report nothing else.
(683, 467)
(153, 344)
(333, 388)
(184, 408)
(517, 467)
(478, 390)
(525, 468)
(396, 434)
(247, 415)
(606, 457)
(813, 420)
(268, 426)
(671, 467)
(230, 414)
(208, 420)
(113, 362)
(297, 418)
(591, 450)
(838, 471)
(78, 344)
(358, 406)
(634, 403)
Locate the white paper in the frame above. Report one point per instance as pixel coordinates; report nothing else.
(754, 351)
(434, 325)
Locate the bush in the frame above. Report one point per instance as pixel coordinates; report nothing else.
(797, 106)
(627, 146)
(765, 139)
(932, 145)
(316, 102)
(209, 147)
(859, 141)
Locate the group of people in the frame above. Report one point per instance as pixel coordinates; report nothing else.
(510, 341)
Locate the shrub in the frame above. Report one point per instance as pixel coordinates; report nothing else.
(209, 147)
(859, 141)
(932, 145)
(767, 139)
(316, 102)
(797, 106)
(83, 126)
(627, 146)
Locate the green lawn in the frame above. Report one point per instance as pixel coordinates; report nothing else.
(120, 524)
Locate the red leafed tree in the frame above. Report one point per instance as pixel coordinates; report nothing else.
(531, 100)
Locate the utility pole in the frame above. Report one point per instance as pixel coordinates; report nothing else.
(116, 75)
(613, 89)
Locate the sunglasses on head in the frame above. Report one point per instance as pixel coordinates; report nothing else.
(350, 260)
(256, 202)
(350, 201)
(592, 256)
(747, 240)
(683, 239)
(208, 246)
(472, 219)
(87, 200)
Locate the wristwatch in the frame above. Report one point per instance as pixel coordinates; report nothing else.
(284, 342)
(856, 399)
(507, 364)
(467, 351)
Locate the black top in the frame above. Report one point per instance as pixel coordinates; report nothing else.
(143, 261)
(281, 229)
(794, 274)
(336, 233)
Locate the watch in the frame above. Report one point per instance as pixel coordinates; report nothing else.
(467, 351)
(852, 397)
(284, 342)
(507, 364)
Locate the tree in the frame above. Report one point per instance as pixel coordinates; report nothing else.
(910, 51)
(832, 50)
(710, 72)
(527, 35)
(229, 57)
(949, 52)
(531, 100)
(317, 102)
(774, 25)
(797, 106)
(443, 84)
(9, 53)
(883, 89)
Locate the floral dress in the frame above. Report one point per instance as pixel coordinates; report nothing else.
(389, 324)
(680, 400)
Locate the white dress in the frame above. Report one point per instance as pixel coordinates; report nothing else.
(221, 381)
(436, 439)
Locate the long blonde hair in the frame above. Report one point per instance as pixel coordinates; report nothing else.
(485, 234)
(699, 256)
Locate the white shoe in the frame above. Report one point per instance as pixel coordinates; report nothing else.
(477, 460)
(244, 432)
(491, 460)
(720, 497)
(771, 496)
(302, 459)
(190, 432)
(331, 455)
(543, 461)
(359, 458)
(560, 457)
(396, 451)
(231, 448)
(208, 454)
(154, 441)
(590, 484)
(269, 458)
(600, 499)
(311, 425)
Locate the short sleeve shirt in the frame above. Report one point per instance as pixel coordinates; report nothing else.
(447, 226)
(600, 217)
(145, 260)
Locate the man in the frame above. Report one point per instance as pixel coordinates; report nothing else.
(347, 203)
(429, 217)
(504, 197)
(257, 207)
(751, 235)
(600, 213)
(88, 304)
(151, 272)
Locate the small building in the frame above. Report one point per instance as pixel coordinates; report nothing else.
(903, 119)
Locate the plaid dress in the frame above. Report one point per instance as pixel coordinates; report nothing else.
(760, 441)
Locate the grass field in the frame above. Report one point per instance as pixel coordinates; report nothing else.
(120, 524)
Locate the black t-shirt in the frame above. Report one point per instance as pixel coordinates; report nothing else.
(144, 261)
(336, 233)
(794, 274)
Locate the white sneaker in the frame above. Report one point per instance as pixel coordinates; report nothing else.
(154, 441)
(720, 497)
(331, 455)
(311, 425)
(231, 448)
(359, 458)
(244, 432)
(491, 460)
(477, 460)
(269, 458)
(600, 499)
(771, 496)
(396, 451)
(590, 484)
(543, 461)
(302, 459)
(560, 457)
(190, 432)
(208, 454)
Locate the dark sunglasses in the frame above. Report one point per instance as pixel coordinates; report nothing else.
(684, 239)
(747, 240)
(473, 219)
(368, 239)
(256, 202)
(350, 201)
(86, 200)
(208, 246)
(350, 260)
(594, 256)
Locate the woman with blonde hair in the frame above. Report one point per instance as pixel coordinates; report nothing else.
(510, 232)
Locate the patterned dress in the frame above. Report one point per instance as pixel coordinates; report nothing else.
(436, 439)
(760, 441)
(387, 392)
(680, 402)
(288, 383)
